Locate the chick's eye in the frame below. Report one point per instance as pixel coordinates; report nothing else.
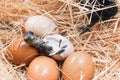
(30, 33)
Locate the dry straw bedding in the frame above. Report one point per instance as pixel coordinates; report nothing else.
(102, 43)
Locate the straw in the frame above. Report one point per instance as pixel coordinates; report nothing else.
(102, 42)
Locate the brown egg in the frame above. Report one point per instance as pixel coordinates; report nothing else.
(43, 68)
(20, 52)
(78, 66)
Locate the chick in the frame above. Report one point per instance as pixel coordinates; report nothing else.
(37, 43)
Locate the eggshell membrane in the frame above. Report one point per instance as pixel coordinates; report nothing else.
(40, 25)
(54, 41)
(43, 68)
(20, 52)
(78, 66)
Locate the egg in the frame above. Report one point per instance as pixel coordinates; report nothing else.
(20, 52)
(62, 47)
(40, 25)
(43, 68)
(78, 66)
(48, 5)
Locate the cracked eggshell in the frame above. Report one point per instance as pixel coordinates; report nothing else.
(40, 25)
(57, 42)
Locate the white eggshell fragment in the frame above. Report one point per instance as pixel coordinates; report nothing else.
(40, 25)
(58, 43)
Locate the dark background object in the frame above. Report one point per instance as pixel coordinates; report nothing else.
(110, 9)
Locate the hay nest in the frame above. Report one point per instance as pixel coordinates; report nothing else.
(103, 42)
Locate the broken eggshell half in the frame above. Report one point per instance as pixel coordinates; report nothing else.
(62, 47)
